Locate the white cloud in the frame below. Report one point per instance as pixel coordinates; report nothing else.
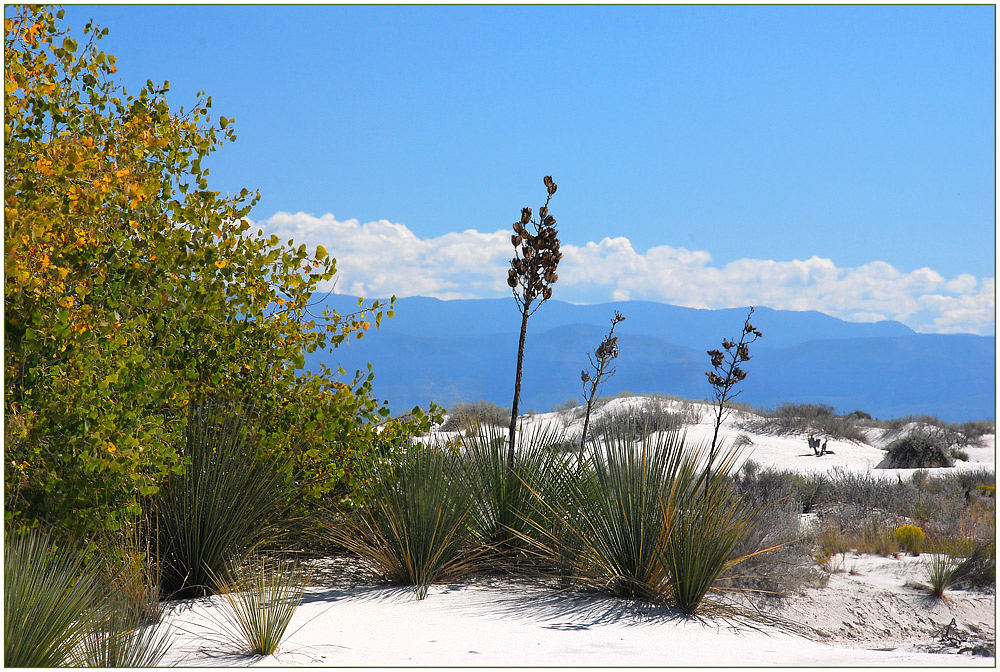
(382, 258)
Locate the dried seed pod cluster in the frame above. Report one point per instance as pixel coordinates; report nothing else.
(737, 352)
(536, 253)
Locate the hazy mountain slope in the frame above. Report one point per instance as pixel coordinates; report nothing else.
(465, 351)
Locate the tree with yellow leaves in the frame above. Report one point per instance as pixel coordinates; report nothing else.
(133, 290)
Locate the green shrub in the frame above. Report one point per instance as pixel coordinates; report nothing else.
(916, 451)
(229, 501)
(910, 538)
(958, 454)
(411, 522)
(259, 602)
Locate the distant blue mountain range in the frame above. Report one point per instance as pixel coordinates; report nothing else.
(451, 351)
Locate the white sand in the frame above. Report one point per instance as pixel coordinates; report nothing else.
(869, 614)
(477, 624)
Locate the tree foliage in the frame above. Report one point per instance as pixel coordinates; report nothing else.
(132, 290)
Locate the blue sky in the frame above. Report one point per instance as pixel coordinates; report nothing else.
(830, 158)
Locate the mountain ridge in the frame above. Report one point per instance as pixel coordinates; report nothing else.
(465, 350)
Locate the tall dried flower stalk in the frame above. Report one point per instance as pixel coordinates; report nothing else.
(725, 375)
(600, 362)
(531, 276)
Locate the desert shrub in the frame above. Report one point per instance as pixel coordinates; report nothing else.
(636, 423)
(410, 525)
(858, 415)
(568, 406)
(230, 500)
(916, 451)
(975, 429)
(465, 416)
(958, 454)
(963, 434)
(867, 493)
(774, 496)
(504, 501)
(765, 486)
(259, 600)
(910, 538)
(804, 419)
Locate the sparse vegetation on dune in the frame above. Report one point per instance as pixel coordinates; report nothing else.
(468, 417)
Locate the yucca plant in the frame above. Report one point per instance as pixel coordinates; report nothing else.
(123, 639)
(707, 522)
(504, 503)
(411, 525)
(940, 573)
(260, 599)
(50, 603)
(610, 526)
(229, 501)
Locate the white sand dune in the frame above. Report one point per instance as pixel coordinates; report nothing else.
(869, 614)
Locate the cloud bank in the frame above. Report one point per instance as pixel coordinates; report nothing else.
(382, 258)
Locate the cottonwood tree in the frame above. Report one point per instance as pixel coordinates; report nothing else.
(132, 290)
(601, 364)
(531, 276)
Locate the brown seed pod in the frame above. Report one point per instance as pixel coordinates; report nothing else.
(515, 240)
(525, 215)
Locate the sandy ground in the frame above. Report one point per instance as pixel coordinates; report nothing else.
(871, 612)
(477, 624)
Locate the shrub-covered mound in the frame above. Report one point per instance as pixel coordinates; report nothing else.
(917, 451)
